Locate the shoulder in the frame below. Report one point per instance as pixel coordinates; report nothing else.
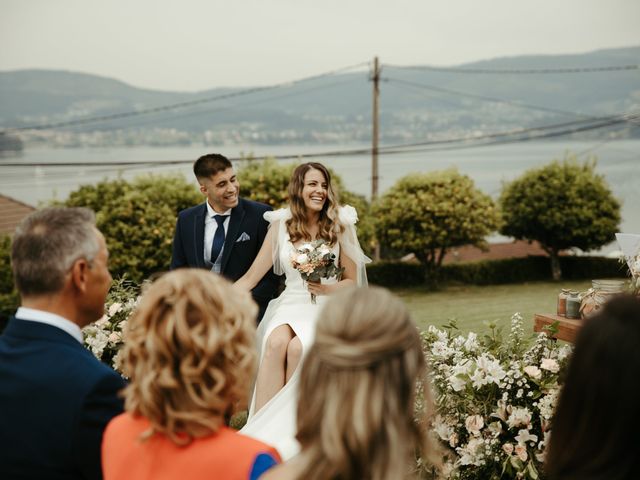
(278, 215)
(347, 215)
(192, 211)
(238, 444)
(251, 206)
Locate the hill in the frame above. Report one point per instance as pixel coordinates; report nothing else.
(415, 103)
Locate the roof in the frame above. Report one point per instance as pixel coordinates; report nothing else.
(496, 251)
(12, 212)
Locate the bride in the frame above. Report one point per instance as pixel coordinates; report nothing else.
(288, 327)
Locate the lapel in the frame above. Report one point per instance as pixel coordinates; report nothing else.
(198, 235)
(235, 222)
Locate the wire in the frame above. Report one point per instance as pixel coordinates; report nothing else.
(522, 71)
(513, 103)
(578, 126)
(115, 116)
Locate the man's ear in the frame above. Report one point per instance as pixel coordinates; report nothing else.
(203, 189)
(79, 274)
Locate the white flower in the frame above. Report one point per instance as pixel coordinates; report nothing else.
(525, 436)
(474, 424)
(519, 417)
(547, 404)
(324, 249)
(115, 337)
(508, 448)
(471, 343)
(441, 350)
(443, 429)
(564, 352)
(533, 371)
(550, 364)
(521, 452)
(495, 428)
(306, 247)
(302, 258)
(114, 308)
(102, 322)
(469, 453)
(457, 382)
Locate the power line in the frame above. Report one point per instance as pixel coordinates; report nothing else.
(513, 103)
(516, 71)
(116, 116)
(442, 144)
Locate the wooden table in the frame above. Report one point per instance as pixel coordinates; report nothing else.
(567, 328)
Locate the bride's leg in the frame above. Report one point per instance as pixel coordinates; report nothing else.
(294, 354)
(271, 375)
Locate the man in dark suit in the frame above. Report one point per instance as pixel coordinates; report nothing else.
(55, 396)
(225, 233)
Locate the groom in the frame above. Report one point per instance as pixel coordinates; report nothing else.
(225, 233)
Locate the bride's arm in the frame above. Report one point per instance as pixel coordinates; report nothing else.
(260, 266)
(348, 278)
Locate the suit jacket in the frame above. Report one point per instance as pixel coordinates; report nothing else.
(246, 232)
(56, 399)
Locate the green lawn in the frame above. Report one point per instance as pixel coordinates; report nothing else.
(472, 306)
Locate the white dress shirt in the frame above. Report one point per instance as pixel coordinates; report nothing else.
(33, 315)
(210, 227)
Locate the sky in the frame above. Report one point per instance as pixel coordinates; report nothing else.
(192, 45)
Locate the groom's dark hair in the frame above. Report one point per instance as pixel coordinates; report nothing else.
(210, 164)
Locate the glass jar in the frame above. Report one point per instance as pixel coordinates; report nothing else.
(599, 293)
(561, 309)
(573, 305)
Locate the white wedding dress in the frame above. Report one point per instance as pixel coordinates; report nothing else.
(275, 423)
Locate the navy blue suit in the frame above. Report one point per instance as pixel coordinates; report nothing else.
(55, 401)
(239, 251)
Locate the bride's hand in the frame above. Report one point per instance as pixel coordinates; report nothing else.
(319, 288)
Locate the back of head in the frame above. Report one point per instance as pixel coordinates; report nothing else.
(210, 164)
(358, 383)
(189, 353)
(595, 427)
(45, 246)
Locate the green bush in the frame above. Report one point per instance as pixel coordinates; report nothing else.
(496, 272)
(9, 299)
(137, 219)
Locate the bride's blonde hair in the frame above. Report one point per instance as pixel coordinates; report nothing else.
(328, 225)
(189, 354)
(357, 391)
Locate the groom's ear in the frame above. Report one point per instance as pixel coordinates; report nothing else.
(203, 189)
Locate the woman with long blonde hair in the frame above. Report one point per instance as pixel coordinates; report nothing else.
(190, 357)
(288, 327)
(357, 416)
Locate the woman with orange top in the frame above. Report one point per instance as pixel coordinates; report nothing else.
(189, 353)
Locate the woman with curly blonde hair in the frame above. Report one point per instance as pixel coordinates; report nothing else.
(189, 355)
(288, 327)
(357, 415)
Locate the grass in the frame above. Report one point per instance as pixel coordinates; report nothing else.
(473, 306)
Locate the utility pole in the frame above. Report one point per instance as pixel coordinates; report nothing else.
(374, 137)
(374, 144)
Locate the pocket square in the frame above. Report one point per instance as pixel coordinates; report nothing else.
(243, 238)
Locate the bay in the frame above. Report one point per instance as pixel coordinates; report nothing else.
(489, 167)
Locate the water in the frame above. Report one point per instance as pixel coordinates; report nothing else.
(618, 161)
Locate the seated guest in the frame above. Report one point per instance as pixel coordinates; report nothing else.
(190, 356)
(595, 429)
(357, 393)
(55, 397)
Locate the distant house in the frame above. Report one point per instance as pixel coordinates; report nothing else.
(11, 214)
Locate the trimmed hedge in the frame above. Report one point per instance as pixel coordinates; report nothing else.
(495, 272)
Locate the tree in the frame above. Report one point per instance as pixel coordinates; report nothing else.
(268, 182)
(137, 219)
(561, 205)
(429, 213)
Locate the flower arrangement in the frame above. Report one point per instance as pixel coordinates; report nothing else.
(104, 337)
(494, 399)
(630, 246)
(315, 261)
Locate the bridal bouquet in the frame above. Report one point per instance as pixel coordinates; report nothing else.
(495, 400)
(315, 261)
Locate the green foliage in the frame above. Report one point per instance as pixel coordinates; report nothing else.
(9, 299)
(561, 205)
(137, 219)
(428, 213)
(268, 182)
(495, 272)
